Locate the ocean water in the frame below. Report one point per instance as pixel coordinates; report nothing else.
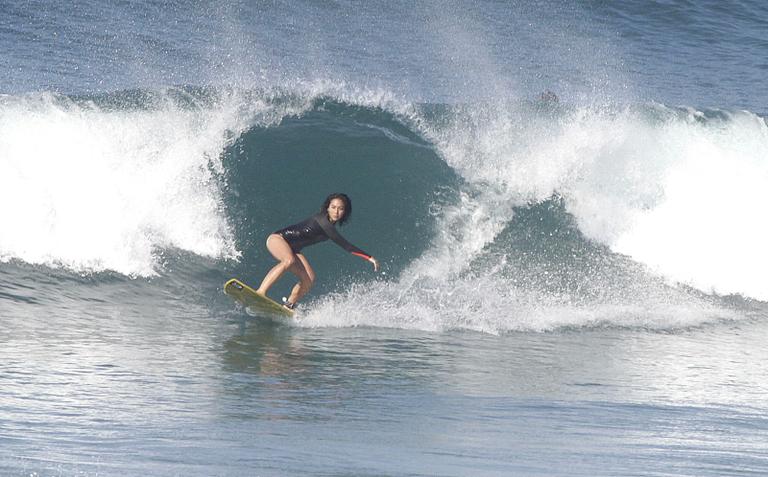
(570, 285)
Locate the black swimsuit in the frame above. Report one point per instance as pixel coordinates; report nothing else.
(316, 229)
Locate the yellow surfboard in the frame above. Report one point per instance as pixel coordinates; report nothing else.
(254, 302)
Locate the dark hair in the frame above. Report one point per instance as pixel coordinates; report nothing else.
(347, 206)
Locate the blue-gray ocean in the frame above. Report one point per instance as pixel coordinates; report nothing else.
(568, 199)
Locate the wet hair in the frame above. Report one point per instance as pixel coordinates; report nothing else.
(347, 206)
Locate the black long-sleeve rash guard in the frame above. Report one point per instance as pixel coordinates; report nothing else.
(317, 229)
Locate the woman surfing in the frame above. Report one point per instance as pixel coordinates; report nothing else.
(286, 246)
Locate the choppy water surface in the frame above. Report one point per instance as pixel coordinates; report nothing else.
(231, 396)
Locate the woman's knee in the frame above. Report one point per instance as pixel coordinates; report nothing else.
(287, 262)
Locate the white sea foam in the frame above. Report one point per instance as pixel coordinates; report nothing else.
(685, 197)
(92, 189)
(709, 230)
(675, 191)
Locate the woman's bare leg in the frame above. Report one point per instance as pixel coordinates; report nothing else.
(302, 269)
(285, 257)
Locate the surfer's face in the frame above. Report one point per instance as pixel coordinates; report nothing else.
(336, 210)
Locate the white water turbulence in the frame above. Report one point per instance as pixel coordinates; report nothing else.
(685, 196)
(625, 175)
(709, 229)
(93, 189)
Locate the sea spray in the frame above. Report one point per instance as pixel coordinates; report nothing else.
(707, 229)
(604, 167)
(108, 187)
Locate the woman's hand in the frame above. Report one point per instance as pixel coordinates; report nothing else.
(375, 264)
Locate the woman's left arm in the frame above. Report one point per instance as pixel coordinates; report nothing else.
(334, 235)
